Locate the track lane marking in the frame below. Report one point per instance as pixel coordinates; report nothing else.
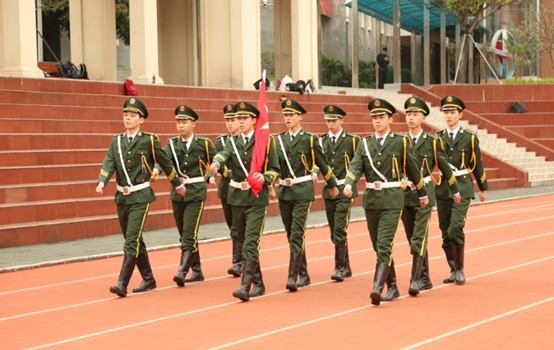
(368, 306)
(532, 209)
(285, 291)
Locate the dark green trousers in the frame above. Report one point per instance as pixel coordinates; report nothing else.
(132, 218)
(249, 225)
(228, 212)
(416, 224)
(187, 218)
(338, 216)
(295, 215)
(383, 225)
(452, 219)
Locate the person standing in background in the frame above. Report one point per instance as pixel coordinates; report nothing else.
(383, 62)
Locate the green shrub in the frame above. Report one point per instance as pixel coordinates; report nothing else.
(530, 81)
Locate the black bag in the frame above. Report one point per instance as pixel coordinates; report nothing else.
(518, 107)
(299, 86)
(83, 74)
(257, 84)
(69, 70)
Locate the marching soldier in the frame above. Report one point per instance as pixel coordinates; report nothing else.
(249, 211)
(429, 151)
(340, 147)
(299, 152)
(385, 159)
(133, 155)
(191, 155)
(233, 127)
(464, 156)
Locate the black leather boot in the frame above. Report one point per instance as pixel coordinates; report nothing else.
(340, 252)
(247, 276)
(258, 287)
(148, 281)
(417, 266)
(392, 289)
(425, 280)
(381, 272)
(127, 268)
(460, 278)
(347, 269)
(294, 269)
(449, 252)
(303, 277)
(196, 275)
(235, 270)
(186, 260)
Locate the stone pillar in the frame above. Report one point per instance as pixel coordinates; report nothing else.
(397, 45)
(176, 41)
(143, 17)
(296, 40)
(93, 38)
(18, 42)
(230, 43)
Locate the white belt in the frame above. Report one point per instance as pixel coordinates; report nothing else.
(130, 189)
(294, 181)
(460, 172)
(379, 185)
(412, 186)
(191, 180)
(341, 182)
(240, 185)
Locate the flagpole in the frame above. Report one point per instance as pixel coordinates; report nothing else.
(263, 76)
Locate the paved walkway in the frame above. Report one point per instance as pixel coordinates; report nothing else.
(18, 258)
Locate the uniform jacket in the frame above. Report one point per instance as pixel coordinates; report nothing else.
(464, 153)
(227, 157)
(301, 154)
(223, 187)
(138, 158)
(192, 163)
(394, 152)
(339, 158)
(429, 151)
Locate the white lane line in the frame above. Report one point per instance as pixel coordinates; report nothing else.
(310, 286)
(366, 307)
(532, 209)
(479, 323)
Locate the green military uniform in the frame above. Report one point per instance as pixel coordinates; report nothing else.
(249, 211)
(133, 159)
(297, 159)
(429, 152)
(340, 150)
(223, 189)
(191, 158)
(464, 155)
(383, 197)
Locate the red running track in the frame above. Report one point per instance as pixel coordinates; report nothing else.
(507, 302)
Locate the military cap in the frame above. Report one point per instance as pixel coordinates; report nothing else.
(229, 111)
(243, 108)
(292, 106)
(452, 102)
(379, 106)
(185, 112)
(133, 104)
(416, 104)
(333, 112)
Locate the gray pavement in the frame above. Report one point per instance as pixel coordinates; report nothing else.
(19, 258)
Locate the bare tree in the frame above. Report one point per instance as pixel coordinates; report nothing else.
(543, 29)
(469, 14)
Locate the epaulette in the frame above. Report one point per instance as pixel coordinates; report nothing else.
(309, 133)
(175, 137)
(203, 138)
(401, 134)
(471, 131)
(224, 136)
(324, 135)
(352, 134)
(432, 136)
(147, 133)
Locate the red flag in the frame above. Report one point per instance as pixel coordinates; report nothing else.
(262, 141)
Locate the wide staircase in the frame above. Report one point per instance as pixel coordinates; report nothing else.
(54, 135)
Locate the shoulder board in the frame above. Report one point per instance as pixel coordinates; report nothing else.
(309, 133)
(471, 131)
(401, 134)
(147, 133)
(283, 133)
(202, 138)
(351, 134)
(432, 136)
(175, 137)
(224, 136)
(326, 134)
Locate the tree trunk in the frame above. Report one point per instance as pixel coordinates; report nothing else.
(462, 71)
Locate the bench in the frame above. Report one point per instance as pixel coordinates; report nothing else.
(51, 68)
